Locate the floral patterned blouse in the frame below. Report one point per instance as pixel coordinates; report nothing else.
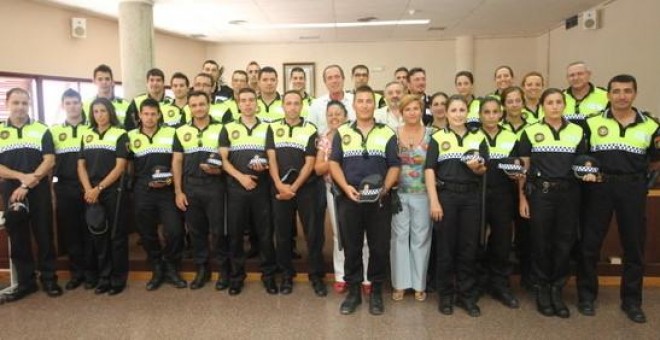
(411, 179)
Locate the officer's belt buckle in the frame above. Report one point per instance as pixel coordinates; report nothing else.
(545, 187)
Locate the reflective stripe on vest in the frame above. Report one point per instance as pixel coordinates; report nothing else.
(91, 140)
(64, 139)
(162, 141)
(606, 134)
(353, 144)
(195, 140)
(449, 147)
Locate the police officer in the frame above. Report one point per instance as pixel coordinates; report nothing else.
(200, 190)
(26, 159)
(103, 158)
(454, 201)
(203, 82)
(252, 70)
(551, 199)
(362, 149)
(269, 101)
(623, 139)
(68, 191)
(220, 92)
(500, 207)
(464, 83)
(360, 76)
(180, 85)
(105, 85)
(299, 83)
(151, 148)
(172, 115)
(291, 149)
(243, 151)
(582, 97)
(239, 80)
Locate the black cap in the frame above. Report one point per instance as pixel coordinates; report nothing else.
(585, 165)
(17, 212)
(214, 160)
(472, 154)
(257, 159)
(161, 174)
(95, 218)
(370, 188)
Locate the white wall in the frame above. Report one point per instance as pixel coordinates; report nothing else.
(36, 39)
(627, 42)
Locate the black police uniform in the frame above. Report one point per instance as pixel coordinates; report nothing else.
(70, 207)
(206, 196)
(553, 194)
(153, 205)
(170, 111)
(244, 206)
(22, 149)
(459, 195)
(360, 156)
(109, 249)
(623, 154)
(292, 144)
(500, 210)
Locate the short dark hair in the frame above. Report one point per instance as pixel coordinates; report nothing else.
(456, 97)
(155, 72)
(401, 68)
(211, 61)
(114, 121)
(150, 102)
(298, 69)
(415, 70)
(365, 89)
(17, 90)
(241, 72)
(199, 94)
(486, 100)
(205, 75)
(267, 69)
(335, 102)
(550, 91)
(510, 90)
(359, 67)
(341, 70)
(104, 69)
(179, 75)
(253, 63)
(439, 94)
(622, 78)
(297, 93)
(71, 93)
(246, 90)
(532, 74)
(466, 74)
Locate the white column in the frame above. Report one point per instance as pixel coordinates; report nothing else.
(465, 53)
(136, 44)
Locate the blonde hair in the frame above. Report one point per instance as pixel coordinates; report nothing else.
(409, 99)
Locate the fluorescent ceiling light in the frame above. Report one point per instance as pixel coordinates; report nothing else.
(338, 24)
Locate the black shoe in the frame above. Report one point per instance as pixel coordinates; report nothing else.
(222, 283)
(235, 288)
(470, 307)
(352, 301)
(116, 290)
(173, 277)
(91, 284)
(320, 289)
(74, 283)
(286, 287)
(558, 304)
(543, 303)
(446, 305)
(157, 277)
(271, 286)
(202, 276)
(51, 288)
(252, 253)
(634, 313)
(21, 291)
(295, 254)
(102, 288)
(506, 297)
(586, 308)
(376, 306)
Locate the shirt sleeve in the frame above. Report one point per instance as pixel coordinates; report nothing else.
(270, 140)
(432, 155)
(654, 151)
(310, 150)
(582, 146)
(224, 138)
(47, 145)
(177, 147)
(337, 151)
(122, 146)
(525, 146)
(392, 152)
(514, 151)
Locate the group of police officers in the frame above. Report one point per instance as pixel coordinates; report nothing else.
(242, 159)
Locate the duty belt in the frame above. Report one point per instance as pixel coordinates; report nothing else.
(457, 187)
(546, 185)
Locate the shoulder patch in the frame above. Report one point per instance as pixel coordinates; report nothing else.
(539, 137)
(4, 134)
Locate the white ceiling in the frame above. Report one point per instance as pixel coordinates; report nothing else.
(481, 18)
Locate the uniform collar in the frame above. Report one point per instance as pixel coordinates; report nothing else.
(9, 124)
(301, 123)
(155, 132)
(240, 121)
(592, 88)
(82, 122)
(277, 97)
(564, 123)
(639, 116)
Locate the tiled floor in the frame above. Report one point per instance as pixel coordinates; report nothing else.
(179, 314)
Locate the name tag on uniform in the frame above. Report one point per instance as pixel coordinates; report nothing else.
(573, 139)
(164, 140)
(507, 145)
(260, 134)
(473, 145)
(642, 137)
(34, 134)
(594, 106)
(379, 141)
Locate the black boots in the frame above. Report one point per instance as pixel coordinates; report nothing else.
(543, 302)
(157, 276)
(352, 301)
(173, 277)
(202, 276)
(376, 299)
(558, 305)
